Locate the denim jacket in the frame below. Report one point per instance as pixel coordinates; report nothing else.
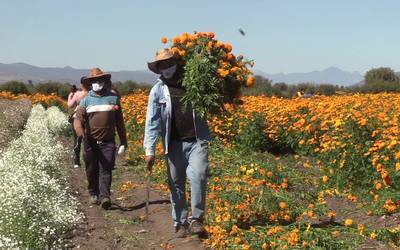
(158, 119)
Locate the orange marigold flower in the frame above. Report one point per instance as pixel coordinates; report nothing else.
(228, 47)
(397, 166)
(184, 37)
(223, 73)
(390, 206)
(182, 53)
(189, 44)
(250, 81)
(176, 40)
(163, 40)
(348, 222)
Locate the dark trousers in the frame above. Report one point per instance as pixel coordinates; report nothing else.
(99, 160)
(77, 148)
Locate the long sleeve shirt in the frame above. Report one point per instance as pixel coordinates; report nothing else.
(98, 116)
(159, 119)
(74, 98)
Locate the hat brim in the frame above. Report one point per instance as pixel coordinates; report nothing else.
(88, 79)
(153, 66)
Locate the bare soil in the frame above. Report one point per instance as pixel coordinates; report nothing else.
(124, 225)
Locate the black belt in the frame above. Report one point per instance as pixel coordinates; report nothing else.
(98, 142)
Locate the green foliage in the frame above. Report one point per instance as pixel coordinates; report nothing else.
(128, 87)
(134, 133)
(262, 86)
(202, 84)
(61, 89)
(380, 75)
(14, 87)
(381, 79)
(252, 136)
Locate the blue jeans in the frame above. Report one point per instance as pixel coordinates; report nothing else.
(187, 159)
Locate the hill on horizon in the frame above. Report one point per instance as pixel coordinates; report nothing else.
(331, 75)
(26, 72)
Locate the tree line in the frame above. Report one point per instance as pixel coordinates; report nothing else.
(63, 89)
(375, 81)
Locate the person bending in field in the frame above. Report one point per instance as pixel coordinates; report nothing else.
(97, 116)
(185, 138)
(74, 97)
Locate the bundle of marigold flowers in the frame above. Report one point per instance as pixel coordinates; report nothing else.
(213, 75)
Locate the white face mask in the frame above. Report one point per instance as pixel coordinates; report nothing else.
(97, 86)
(168, 72)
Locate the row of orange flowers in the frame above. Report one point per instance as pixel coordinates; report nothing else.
(45, 100)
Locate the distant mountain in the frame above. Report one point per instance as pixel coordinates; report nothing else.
(331, 75)
(25, 72)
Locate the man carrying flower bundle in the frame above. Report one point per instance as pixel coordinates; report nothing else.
(97, 116)
(185, 137)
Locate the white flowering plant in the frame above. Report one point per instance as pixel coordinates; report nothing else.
(36, 206)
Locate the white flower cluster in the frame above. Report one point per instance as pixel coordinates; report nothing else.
(36, 207)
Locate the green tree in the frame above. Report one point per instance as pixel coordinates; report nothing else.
(61, 89)
(381, 79)
(14, 87)
(262, 86)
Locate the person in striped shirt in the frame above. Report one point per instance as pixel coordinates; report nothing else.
(98, 117)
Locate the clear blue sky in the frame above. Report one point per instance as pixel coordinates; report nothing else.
(281, 36)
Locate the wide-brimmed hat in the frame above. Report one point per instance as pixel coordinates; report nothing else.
(95, 74)
(161, 55)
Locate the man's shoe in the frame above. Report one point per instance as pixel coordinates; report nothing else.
(76, 166)
(196, 227)
(106, 203)
(93, 200)
(181, 230)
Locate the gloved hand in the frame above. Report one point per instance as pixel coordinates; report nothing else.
(121, 150)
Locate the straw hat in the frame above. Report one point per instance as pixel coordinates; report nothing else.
(161, 55)
(95, 74)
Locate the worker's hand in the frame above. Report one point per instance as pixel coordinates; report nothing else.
(80, 135)
(121, 150)
(150, 162)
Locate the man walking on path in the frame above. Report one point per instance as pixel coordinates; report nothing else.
(97, 116)
(185, 138)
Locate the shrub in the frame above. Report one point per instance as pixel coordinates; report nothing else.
(14, 87)
(251, 134)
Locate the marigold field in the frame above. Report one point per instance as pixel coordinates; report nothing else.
(332, 182)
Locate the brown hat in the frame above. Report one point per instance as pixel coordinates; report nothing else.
(161, 55)
(95, 74)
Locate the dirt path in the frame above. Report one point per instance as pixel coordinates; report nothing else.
(123, 226)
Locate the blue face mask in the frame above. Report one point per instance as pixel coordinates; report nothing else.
(168, 73)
